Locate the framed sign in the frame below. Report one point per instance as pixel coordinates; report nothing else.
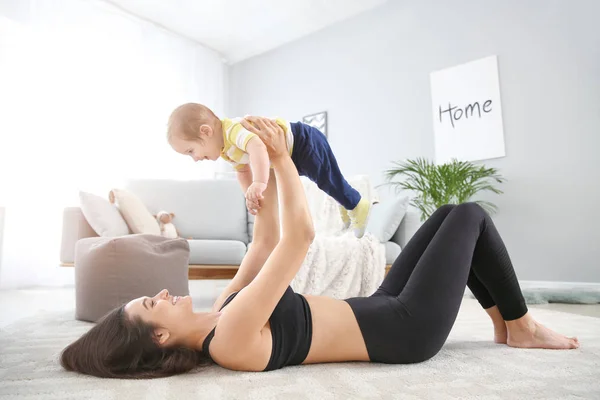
(467, 112)
(318, 120)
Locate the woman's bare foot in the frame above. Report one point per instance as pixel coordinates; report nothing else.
(525, 332)
(500, 331)
(500, 335)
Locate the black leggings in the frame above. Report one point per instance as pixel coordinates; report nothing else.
(409, 317)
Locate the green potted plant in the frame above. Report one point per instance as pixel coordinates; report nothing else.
(455, 182)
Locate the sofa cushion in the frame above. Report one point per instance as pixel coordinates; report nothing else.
(386, 217)
(204, 209)
(103, 217)
(112, 271)
(392, 251)
(134, 211)
(216, 252)
(408, 227)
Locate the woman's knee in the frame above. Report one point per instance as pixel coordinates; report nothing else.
(470, 213)
(471, 208)
(446, 208)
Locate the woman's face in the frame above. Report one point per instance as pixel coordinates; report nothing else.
(170, 314)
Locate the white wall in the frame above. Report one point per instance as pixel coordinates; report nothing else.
(85, 94)
(371, 74)
(1, 235)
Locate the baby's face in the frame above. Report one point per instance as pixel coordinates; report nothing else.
(208, 148)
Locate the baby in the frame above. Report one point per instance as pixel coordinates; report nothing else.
(195, 130)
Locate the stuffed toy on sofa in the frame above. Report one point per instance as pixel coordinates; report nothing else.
(167, 228)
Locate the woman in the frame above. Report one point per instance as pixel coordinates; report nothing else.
(263, 325)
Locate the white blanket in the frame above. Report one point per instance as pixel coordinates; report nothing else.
(338, 264)
(342, 266)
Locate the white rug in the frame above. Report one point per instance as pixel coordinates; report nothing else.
(469, 367)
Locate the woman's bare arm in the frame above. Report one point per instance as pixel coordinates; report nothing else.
(243, 320)
(264, 240)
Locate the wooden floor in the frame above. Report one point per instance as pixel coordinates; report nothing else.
(197, 271)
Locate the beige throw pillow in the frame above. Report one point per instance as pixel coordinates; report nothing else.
(137, 216)
(103, 217)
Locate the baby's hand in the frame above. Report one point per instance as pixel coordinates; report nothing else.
(255, 191)
(252, 207)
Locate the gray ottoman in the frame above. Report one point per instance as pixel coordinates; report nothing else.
(110, 272)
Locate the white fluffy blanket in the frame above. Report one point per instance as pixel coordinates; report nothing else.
(338, 264)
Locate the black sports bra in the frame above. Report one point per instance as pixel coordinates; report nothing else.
(291, 330)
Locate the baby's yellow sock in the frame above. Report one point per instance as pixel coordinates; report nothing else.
(345, 217)
(359, 217)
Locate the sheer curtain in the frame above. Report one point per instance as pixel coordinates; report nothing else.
(85, 92)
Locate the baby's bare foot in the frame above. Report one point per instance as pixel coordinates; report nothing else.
(533, 335)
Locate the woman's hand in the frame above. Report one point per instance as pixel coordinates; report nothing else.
(269, 132)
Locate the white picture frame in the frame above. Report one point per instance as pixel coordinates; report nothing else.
(317, 120)
(467, 112)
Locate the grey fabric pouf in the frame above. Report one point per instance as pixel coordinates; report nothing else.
(111, 271)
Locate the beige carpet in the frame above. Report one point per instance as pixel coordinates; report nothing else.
(469, 367)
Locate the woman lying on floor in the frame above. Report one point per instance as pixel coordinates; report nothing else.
(263, 325)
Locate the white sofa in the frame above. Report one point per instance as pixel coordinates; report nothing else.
(212, 215)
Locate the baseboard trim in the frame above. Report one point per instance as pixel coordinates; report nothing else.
(554, 285)
(558, 285)
(543, 292)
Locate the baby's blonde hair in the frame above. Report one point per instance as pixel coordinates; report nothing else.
(185, 120)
